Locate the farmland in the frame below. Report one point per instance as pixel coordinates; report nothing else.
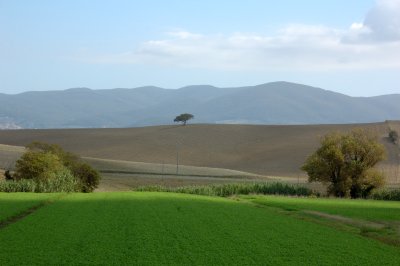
(13, 204)
(166, 228)
(361, 209)
(130, 157)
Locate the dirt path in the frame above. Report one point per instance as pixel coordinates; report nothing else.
(15, 218)
(346, 220)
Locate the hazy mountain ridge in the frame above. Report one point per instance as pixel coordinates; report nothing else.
(271, 103)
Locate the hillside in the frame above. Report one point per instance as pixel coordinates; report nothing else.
(271, 103)
(264, 150)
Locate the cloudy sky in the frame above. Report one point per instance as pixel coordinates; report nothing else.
(352, 47)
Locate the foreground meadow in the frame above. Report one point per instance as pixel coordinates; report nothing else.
(147, 228)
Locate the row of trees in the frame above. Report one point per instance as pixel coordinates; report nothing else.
(44, 162)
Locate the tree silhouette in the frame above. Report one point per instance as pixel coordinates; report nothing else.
(183, 118)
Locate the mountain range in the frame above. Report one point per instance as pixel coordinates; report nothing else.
(270, 103)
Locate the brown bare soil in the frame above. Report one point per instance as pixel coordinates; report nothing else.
(259, 149)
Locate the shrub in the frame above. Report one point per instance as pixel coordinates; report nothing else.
(38, 166)
(7, 175)
(386, 195)
(89, 178)
(55, 170)
(393, 136)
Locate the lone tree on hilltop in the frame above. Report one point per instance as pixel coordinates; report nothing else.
(183, 118)
(346, 162)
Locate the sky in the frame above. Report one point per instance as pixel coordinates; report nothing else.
(352, 47)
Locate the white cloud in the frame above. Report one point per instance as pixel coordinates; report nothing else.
(184, 35)
(381, 24)
(375, 43)
(356, 26)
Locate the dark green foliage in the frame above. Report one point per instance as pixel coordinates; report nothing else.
(183, 118)
(89, 177)
(225, 190)
(394, 136)
(8, 176)
(393, 194)
(346, 162)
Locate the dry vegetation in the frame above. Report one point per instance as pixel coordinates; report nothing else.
(277, 151)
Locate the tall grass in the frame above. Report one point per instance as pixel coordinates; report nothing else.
(24, 185)
(64, 182)
(225, 190)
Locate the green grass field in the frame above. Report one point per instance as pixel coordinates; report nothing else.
(143, 228)
(14, 203)
(372, 210)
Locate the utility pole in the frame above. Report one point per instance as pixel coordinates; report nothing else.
(177, 158)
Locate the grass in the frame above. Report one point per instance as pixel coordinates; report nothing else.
(143, 228)
(372, 210)
(12, 204)
(378, 220)
(226, 190)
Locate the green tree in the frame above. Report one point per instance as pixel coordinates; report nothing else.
(346, 163)
(183, 118)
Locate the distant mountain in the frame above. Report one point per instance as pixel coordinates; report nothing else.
(271, 103)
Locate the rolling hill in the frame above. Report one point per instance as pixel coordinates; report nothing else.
(271, 103)
(259, 149)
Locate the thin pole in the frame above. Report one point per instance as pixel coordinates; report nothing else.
(177, 159)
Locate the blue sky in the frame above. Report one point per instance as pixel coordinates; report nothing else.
(352, 47)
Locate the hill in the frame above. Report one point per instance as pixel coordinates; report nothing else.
(259, 149)
(271, 103)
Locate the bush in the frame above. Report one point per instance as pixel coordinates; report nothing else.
(38, 166)
(89, 178)
(386, 195)
(393, 136)
(55, 170)
(7, 175)
(225, 190)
